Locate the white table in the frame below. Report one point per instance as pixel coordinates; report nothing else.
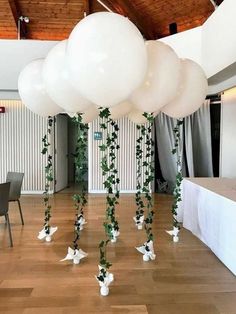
(208, 210)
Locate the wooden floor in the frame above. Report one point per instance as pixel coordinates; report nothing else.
(186, 278)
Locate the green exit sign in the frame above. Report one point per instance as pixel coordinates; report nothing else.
(97, 136)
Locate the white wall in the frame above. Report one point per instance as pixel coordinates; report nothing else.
(187, 44)
(125, 157)
(219, 39)
(15, 55)
(220, 87)
(213, 45)
(21, 132)
(228, 134)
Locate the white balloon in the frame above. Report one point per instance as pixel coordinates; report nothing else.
(57, 81)
(107, 58)
(90, 114)
(192, 91)
(32, 90)
(162, 79)
(120, 110)
(137, 117)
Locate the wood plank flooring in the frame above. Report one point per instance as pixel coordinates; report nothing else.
(186, 277)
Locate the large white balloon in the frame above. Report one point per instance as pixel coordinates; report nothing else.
(107, 58)
(162, 79)
(137, 117)
(57, 81)
(120, 110)
(192, 91)
(90, 114)
(32, 90)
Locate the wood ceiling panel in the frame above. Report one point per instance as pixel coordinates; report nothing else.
(54, 18)
(161, 13)
(7, 23)
(57, 18)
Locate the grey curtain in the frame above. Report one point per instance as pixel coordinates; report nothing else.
(197, 141)
(164, 126)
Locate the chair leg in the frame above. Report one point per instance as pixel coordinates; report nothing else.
(21, 216)
(9, 229)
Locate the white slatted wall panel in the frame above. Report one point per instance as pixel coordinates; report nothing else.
(126, 157)
(21, 132)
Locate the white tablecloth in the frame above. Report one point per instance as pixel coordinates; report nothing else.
(208, 209)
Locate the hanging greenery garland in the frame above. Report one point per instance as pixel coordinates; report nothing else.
(81, 169)
(149, 175)
(104, 278)
(147, 167)
(139, 214)
(80, 199)
(47, 231)
(110, 173)
(178, 180)
(111, 182)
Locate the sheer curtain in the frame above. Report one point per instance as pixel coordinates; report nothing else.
(196, 138)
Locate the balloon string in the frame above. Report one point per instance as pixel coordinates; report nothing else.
(105, 6)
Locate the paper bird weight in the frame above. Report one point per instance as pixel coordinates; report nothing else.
(74, 255)
(104, 279)
(147, 250)
(46, 233)
(174, 233)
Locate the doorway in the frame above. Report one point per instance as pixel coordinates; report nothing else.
(61, 152)
(66, 133)
(72, 140)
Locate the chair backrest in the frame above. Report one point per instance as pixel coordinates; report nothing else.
(4, 196)
(16, 179)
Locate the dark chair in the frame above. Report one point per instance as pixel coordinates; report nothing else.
(16, 179)
(4, 204)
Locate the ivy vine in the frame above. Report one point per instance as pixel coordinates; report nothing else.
(111, 182)
(81, 169)
(105, 265)
(179, 178)
(48, 175)
(139, 155)
(110, 172)
(146, 166)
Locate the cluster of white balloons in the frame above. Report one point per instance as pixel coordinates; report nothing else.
(106, 63)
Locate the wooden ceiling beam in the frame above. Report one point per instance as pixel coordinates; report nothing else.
(16, 13)
(88, 6)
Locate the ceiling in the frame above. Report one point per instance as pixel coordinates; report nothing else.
(55, 19)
